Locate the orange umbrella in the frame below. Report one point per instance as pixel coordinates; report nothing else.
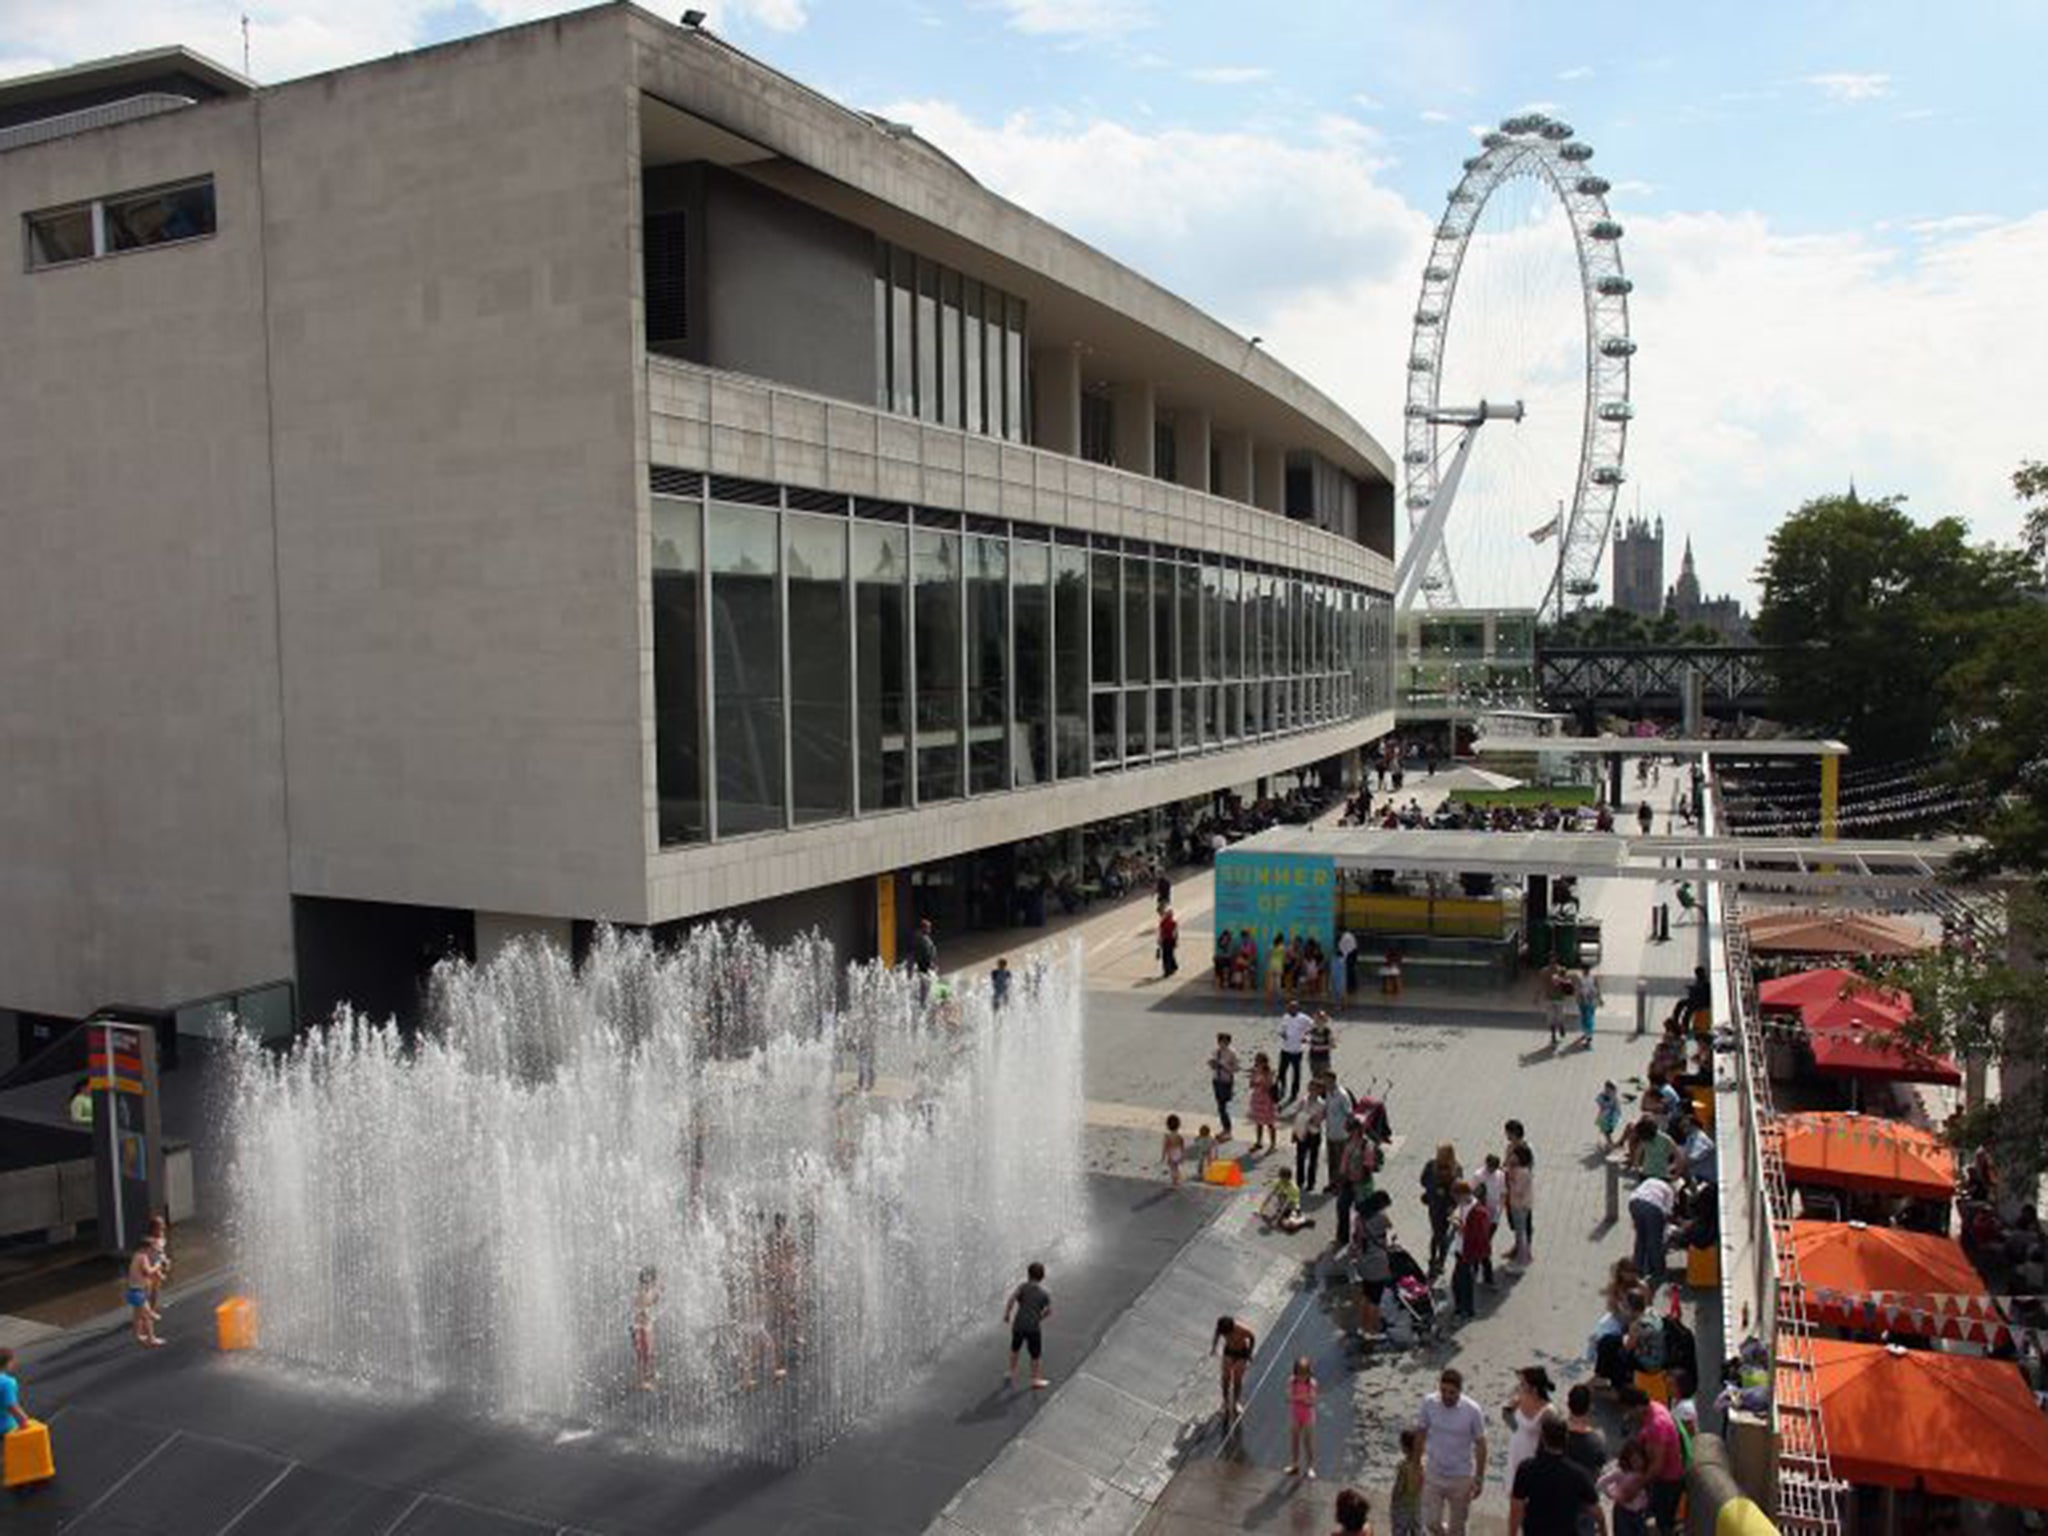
(1834, 933)
(1851, 1151)
(1863, 1277)
(1959, 1425)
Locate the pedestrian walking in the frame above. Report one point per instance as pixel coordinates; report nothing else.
(1607, 1112)
(1026, 1311)
(1337, 1110)
(1169, 941)
(1644, 816)
(1162, 894)
(1308, 1136)
(1649, 1208)
(1265, 1105)
(1223, 1081)
(1475, 1241)
(1322, 1046)
(1654, 1427)
(1372, 1259)
(1301, 1417)
(1549, 1495)
(1404, 1502)
(1347, 957)
(1354, 1514)
(1513, 1137)
(999, 986)
(1490, 1184)
(1627, 1483)
(1356, 1163)
(1453, 1434)
(1294, 1026)
(12, 1415)
(1585, 1444)
(1524, 1412)
(1552, 987)
(1586, 990)
(1237, 1343)
(1440, 1178)
(141, 1275)
(1522, 1204)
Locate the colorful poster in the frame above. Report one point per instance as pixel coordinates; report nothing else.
(1277, 895)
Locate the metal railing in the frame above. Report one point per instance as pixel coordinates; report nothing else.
(65, 124)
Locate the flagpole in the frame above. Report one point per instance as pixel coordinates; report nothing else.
(1560, 563)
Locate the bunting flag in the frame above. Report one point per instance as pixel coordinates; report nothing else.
(1547, 532)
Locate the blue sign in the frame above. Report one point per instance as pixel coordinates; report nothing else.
(1277, 895)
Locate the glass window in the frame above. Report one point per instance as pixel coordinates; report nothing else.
(1188, 580)
(820, 683)
(679, 668)
(927, 341)
(1070, 659)
(1106, 610)
(903, 336)
(988, 649)
(1137, 723)
(1013, 373)
(1164, 654)
(977, 415)
(55, 238)
(936, 565)
(993, 363)
(881, 557)
(949, 349)
(1137, 619)
(1190, 717)
(1109, 741)
(746, 652)
(158, 218)
(1233, 624)
(882, 400)
(1212, 621)
(1031, 623)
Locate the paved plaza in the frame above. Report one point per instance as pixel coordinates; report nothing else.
(1126, 1441)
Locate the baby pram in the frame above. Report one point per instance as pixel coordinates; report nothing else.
(1371, 1112)
(1408, 1303)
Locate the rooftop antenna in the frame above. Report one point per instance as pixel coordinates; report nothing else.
(245, 43)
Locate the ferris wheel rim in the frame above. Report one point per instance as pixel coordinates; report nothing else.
(1535, 146)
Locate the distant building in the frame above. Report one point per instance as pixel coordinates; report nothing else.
(1639, 567)
(1724, 615)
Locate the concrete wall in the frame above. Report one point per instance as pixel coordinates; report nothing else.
(453, 258)
(789, 292)
(142, 803)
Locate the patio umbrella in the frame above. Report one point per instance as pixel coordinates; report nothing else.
(1958, 1425)
(1835, 933)
(1877, 1055)
(1830, 997)
(1863, 1277)
(1864, 1152)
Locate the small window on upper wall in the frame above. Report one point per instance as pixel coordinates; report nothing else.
(128, 221)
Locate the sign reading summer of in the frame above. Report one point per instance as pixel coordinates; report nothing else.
(1288, 895)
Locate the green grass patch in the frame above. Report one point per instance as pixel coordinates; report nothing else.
(1527, 795)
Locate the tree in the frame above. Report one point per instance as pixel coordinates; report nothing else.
(1872, 611)
(2030, 484)
(1996, 698)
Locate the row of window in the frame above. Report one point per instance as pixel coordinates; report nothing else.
(130, 221)
(949, 349)
(809, 665)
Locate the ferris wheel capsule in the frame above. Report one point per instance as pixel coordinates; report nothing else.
(1493, 140)
(1428, 317)
(1575, 152)
(1473, 162)
(1618, 346)
(1593, 186)
(1617, 410)
(1556, 131)
(1436, 274)
(1420, 365)
(1607, 474)
(1614, 287)
(1605, 229)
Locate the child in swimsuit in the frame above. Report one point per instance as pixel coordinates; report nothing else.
(646, 1298)
(142, 1277)
(1172, 1149)
(1301, 1417)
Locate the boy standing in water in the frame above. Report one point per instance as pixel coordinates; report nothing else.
(1026, 1311)
(142, 1279)
(646, 1297)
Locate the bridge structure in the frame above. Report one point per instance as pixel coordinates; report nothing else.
(1653, 680)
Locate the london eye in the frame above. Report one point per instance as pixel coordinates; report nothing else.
(1522, 321)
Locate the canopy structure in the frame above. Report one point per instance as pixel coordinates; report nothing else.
(1958, 1425)
(1872, 1278)
(1864, 1152)
(1878, 1056)
(1852, 1024)
(1468, 777)
(1835, 933)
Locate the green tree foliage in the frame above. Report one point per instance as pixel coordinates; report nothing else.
(1618, 628)
(1873, 611)
(2030, 484)
(1996, 700)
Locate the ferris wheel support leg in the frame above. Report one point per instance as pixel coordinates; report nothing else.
(1429, 533)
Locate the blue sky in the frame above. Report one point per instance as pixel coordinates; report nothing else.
(1836, 224)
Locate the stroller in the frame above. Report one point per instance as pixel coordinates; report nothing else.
(1370, 1109)
(1413, 1310)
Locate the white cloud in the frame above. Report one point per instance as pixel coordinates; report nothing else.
(1773, 367)
(1434, 116)
(1365, 103)
(1230, 74)
(1077, 18)
(776, 15)
(1843, 86)
(1576, 72)
(1953, 224)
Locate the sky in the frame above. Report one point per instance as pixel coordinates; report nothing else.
(1836, 229)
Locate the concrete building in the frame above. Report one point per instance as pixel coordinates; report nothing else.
(1639, 567)
(579, 473)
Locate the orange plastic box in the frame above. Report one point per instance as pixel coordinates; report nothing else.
(27, 1456)
(1225, 1171)
(234, 1323)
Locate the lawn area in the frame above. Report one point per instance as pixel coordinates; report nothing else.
(1527, 795)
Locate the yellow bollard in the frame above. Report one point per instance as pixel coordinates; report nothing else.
(26, 1454)
(234, 1323)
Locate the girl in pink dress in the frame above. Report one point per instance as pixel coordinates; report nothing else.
(1301, 1417)
(1265, 1107)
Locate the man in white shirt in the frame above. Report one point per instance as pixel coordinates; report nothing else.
(1294, 1025)
(1347, 956)
(1453, 1455)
